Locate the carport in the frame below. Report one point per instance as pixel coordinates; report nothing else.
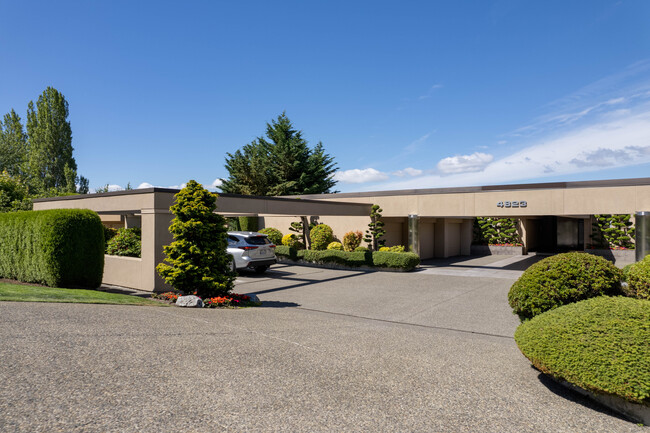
(149, 209)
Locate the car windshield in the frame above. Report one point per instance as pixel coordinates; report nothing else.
(258, 240)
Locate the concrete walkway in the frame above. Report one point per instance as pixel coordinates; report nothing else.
(330, 351)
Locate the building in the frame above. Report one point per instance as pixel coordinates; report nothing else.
(550, 217)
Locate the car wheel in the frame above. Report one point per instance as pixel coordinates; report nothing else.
(233, 267)
(261, 269)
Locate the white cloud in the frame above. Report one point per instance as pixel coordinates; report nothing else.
(408, 171)
(144, 185)
(608, 144)
(112, 188)
(477, 161)
(360, 175)
(217, 183)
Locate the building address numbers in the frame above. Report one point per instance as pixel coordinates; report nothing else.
(512, 204)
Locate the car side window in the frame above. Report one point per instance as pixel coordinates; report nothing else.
(232, 240)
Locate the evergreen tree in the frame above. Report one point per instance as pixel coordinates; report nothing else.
(13, 145)
(49, 137)
(282, 163)
(197, 260)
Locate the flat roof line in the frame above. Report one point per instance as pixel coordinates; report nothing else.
(469, 189)
(174, 191)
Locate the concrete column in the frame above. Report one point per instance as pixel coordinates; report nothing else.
(155, 234)
(642, 237)
(414, 233)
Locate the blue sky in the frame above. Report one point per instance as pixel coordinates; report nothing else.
(403, 94)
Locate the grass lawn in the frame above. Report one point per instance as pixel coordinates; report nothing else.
(24, 293)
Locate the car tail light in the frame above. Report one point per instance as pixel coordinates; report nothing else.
(247, 248)
(271, 246)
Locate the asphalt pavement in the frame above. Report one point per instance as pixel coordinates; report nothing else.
(329, 351)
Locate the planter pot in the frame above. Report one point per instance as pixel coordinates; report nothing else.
(491, 250)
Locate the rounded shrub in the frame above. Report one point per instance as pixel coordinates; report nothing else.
(560, 280)
(290, 240)
(338, 246)
(600, 344)
(357, 249)
(126, 242)
(352, 240)
(275, 235)
(638, 280)
(321, 236)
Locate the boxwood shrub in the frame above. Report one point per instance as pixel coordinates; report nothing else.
(58, 248)
(560, 280)
(600, 344)
(321, 236)
(638, 280)
(405, 261)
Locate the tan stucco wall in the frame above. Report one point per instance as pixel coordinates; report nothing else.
(123, 271)
(559, 202)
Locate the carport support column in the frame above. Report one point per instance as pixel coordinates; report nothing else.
(414, 233)
(642, 234)
(155, 234)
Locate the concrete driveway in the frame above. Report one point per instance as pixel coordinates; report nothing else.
(329, 351)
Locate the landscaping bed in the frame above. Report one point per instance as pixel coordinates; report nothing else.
(365, 260)
(231, 300)
(488, 250)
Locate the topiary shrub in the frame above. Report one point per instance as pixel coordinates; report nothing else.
(321, 236)
(599, 344)
(290, 240)
(275, 235)
(563, 279)
(351, 240)
(357, 249)
(126, 242)
(638, 280)
(197, 260)
(338, 246)
(58, 248)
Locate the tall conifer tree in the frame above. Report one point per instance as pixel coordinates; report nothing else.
(51, 164)
(13, 145)
(282, 163)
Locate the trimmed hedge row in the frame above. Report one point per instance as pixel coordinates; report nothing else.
(405, 261)
(600, 344)
(560, 280)
(58, 248)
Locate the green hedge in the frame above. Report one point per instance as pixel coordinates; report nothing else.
(405, 261)
(58, 248)
(637, 277)
(562, 279)
(600, 344)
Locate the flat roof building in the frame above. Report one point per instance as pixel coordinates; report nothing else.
(437, 222)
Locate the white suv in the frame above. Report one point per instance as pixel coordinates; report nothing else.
(251, 250)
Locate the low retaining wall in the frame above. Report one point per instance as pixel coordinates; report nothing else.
(492, 250)
(123, 271)
(618, 257)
